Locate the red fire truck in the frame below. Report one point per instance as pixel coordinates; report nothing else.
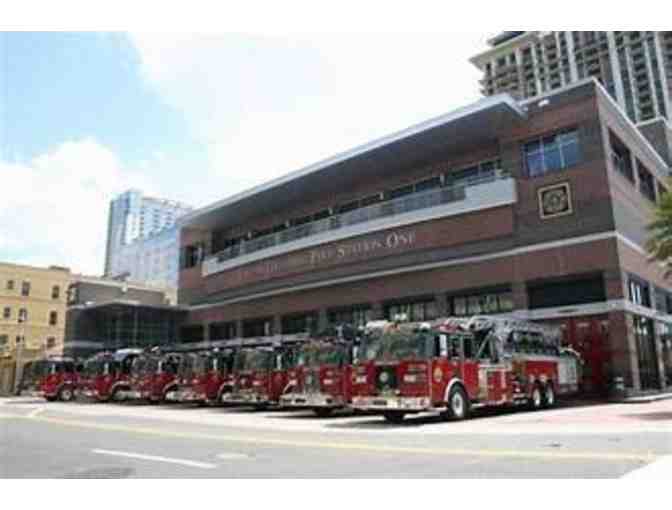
(106, 375)
(54, 378)
(153, 375)
(203, 377)
(321, 378)
(456, 365)
(259, 375)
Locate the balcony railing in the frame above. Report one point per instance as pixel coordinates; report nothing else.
(409, 203)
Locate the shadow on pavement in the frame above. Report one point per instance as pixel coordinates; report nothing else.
(659, 416)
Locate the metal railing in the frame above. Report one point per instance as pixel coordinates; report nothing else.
(408, 203)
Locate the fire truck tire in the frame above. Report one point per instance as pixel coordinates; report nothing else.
(394, 416)
(323, 412)
(536, 398)
(458, 404)
(66, 394)
(549, 395)
(50, 399)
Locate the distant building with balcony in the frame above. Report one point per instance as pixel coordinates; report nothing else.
(142, 238)
(532, 208)
(634, 67)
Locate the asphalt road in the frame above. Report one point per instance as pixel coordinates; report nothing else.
(55, 440)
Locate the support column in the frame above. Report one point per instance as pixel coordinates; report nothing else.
(631, 343)
(660, 362)
(377, 311)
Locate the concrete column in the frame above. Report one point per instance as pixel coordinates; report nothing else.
(659, 355)
(322, 319)
(631, 343)
(377, 311)
(442, 305)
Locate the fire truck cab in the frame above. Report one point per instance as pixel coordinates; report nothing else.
(203, 377)
(455, 365)
(259, 375)
(106, 375)
(153, 375)
(54, 378)
(321, 376)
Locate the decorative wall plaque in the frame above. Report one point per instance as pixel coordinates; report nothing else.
(555, 200)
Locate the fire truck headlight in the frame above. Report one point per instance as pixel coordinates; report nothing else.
(438, 374)
(410, 378)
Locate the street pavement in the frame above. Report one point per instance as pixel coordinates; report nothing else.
(89, 440)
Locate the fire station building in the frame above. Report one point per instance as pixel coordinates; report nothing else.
(534, 208)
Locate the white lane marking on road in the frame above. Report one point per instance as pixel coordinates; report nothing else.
(660, 469)
(35, 412)
(141, 456)
(232, 456)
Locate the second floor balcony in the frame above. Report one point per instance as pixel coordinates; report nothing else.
(461, 197)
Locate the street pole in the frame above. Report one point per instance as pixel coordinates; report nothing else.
(18, 371)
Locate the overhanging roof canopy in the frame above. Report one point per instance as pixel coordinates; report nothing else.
(470, 126)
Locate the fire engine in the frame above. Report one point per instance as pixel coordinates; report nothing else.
(153, 375)
(203, 377)
(54, 378)
(321, 378)
(455, 365)
(259, 375)
(106, 375)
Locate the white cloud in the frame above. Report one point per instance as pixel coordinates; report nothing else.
(265, 106)
(55, 210)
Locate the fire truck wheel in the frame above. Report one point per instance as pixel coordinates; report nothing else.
(549, 395)
(536, 399)
(394, 416)
(458, 404)
(65, 395)
(323, 412)
(50, 399)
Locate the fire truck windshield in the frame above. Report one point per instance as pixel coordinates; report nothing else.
(253, 359)
(191, 365)
(144, 365)
(395, 345)
(93, 367)
(316, 354)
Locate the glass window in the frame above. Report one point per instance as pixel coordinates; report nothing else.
(427, 184)
(552, 153)
(25, 289)
(482, 303)
(55, 292)
(23, 315)
(10, 284)
(7, 313)
(51, 342)
(53, 318)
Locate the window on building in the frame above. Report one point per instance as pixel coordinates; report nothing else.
(191, 333)
(574, 291)
(371, 199)
(4, 340)
(222, 330)
(428, 184)
(639, 292)
(483, 302)
(416, 310)
(51, 342)
(552, 152)
(299, 323)
(20, 340)
(257, 327)
(355, 315)
(621, 157)
(193, 255)
(25, 288)
(7, 313)
(55, 292)
(473, 173)
(646, 182)
(400, 192)
(23, 315)
(53, 318)
(10, 284)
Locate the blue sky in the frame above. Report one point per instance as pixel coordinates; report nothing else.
(84, 116)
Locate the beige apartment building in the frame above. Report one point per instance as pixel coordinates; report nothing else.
(33, 302)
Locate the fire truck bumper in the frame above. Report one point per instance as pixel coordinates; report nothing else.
(410, 404)
(34, 394)
(185, 396)
(133, 395)
(86, 394)
(245, 398)
(311, 400)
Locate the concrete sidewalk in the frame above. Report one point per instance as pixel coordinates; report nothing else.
(645, 399)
